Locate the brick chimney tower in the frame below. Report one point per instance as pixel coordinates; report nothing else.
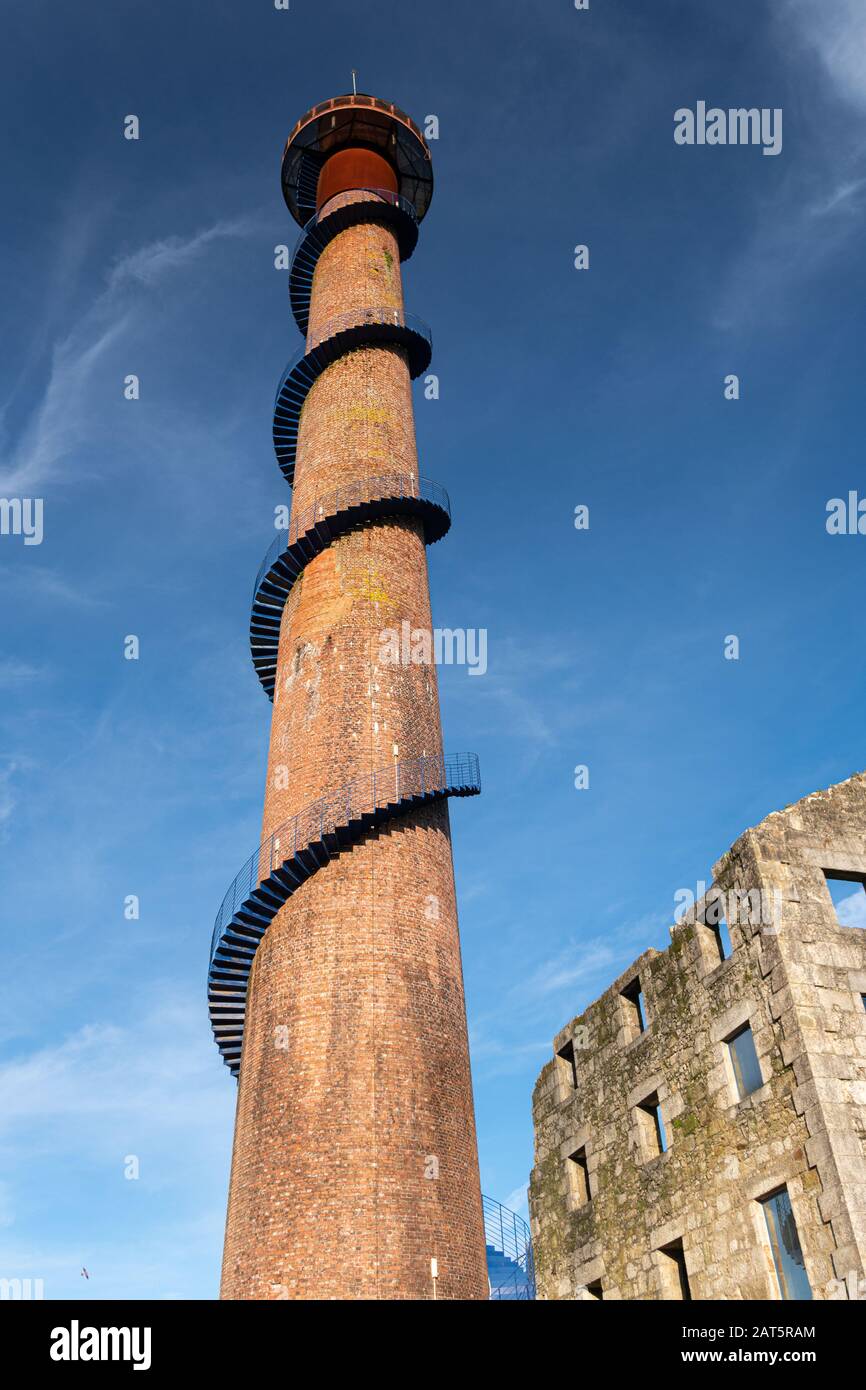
(335, 984)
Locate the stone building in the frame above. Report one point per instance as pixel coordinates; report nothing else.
(700, 1131)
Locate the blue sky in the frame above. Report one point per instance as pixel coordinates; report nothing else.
(558, 387)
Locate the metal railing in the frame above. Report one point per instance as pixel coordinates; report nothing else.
(342, 334)
(375, 316)
(381, 194)
(358, 101)
(510, 1236)
(356, 318)
(351, 207)
(428, 775)
(354, 494)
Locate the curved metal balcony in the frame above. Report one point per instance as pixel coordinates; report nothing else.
(313, 529)
(358, 119)
(367, 205)
(294, 852)
(360, 328)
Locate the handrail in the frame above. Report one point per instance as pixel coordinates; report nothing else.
(509, 1234)
(354, 494)
(373, 316)
(345, 333)
(347, 208)
(431, 774)
(357, 318)
(360, 101)
(384, 194)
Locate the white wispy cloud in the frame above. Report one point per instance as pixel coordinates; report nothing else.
(592, 962)
(759, 279)
(846, 196)
(529, 691)
(851, 911)
(65, 418)
(819, 206)
(61, 422)
(543, 991)
(8, 795)
(41, 581)
(518, 1200)
(574, 965)
(493, 1054)
(111, 1083)
(160, 258)
(16, 673)
(835, 30)
(145, 1082)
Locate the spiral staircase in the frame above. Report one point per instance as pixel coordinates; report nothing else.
(334, 823)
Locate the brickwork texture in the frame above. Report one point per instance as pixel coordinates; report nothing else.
(355, 1158)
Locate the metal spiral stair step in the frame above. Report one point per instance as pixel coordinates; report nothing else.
(391, 495)
(248, 908)
(307, 183)
(348, 332)
(380, 206)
